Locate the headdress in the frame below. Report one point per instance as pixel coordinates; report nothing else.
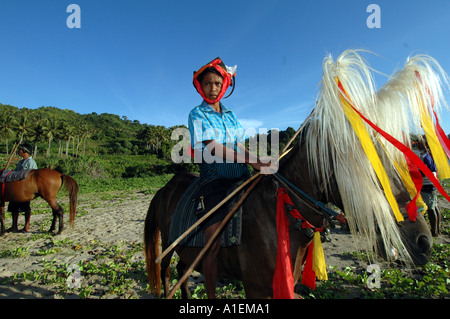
(228, 74)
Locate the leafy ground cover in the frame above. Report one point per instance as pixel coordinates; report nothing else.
(103, 258)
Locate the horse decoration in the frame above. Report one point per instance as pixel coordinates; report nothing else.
(45, 183)
(358, 127)
(349, 154)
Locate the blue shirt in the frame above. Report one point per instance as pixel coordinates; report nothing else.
(427, 185)
(207, 124)
(24, 164)
(429, 162)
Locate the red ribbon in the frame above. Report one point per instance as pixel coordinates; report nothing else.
(308, 275)
(417, 178)
(283, 278)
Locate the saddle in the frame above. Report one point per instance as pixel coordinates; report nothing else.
(184, 217)
(9, 176)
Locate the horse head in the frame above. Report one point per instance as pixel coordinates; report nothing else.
(350, 146)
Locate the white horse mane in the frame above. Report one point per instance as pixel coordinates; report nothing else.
(334, 148)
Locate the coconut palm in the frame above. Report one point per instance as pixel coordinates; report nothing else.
(7, 124)
(51, 127)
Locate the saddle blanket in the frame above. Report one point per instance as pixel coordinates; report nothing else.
(184, 217)
(8, 176)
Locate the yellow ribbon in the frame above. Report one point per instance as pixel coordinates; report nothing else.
(319, 266)
(439, 156)
(371, 153)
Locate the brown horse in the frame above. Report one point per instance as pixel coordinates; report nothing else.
(253, 262)
(45, 183)
(330, 165)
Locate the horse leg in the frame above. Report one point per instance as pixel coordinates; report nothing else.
(2, 218)
(58, 212)
(439, 218)
(181, 268)
(26, 228)
(14, 227)
(165, 273)
(432, 216)
(210, 262)
(435, 227)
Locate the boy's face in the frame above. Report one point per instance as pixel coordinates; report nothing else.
(211, 85)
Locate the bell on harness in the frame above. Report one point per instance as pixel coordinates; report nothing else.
(228, 74)
(308, 229)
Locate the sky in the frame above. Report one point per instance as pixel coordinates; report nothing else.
(136, 58)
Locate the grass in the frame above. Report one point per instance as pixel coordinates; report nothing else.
(430, 281)
(110, 272)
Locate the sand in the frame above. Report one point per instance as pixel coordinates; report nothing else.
(108, 232)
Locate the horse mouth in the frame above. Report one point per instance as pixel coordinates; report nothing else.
(424, 247)
(421, 259)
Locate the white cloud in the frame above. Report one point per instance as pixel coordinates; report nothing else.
(250, 123)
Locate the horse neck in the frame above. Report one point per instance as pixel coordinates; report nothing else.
(295, 167)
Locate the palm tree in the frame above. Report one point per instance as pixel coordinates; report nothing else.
(67, 132)
(50, 128)
(161, 135)
(38, 134)
(36, 129)
(7, 124)
(85, 133)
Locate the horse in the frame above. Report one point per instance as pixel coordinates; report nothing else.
(45, 183)
(329, 164)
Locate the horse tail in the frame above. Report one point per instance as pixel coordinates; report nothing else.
(71, 186)
(151, 247)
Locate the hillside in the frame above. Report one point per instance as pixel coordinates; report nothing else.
(102, 145)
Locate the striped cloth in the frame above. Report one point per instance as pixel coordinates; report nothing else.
(184, 217)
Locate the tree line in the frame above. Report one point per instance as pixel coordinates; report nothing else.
(64, 133)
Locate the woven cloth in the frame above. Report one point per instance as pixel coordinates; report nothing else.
(184, 217)
(8, 176)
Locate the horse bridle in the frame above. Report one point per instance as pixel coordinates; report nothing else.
(317, 206)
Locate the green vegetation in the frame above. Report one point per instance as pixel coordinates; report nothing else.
(429, 281)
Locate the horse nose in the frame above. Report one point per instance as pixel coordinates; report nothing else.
(424, 243)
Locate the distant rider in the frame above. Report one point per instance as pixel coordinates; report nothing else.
(27, 163)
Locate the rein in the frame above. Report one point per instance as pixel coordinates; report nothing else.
(3, 199)
(316, 205)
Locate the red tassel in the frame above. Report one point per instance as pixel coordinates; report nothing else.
(283, 278)
(308, 275)
(417, 178)
(445, 142)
